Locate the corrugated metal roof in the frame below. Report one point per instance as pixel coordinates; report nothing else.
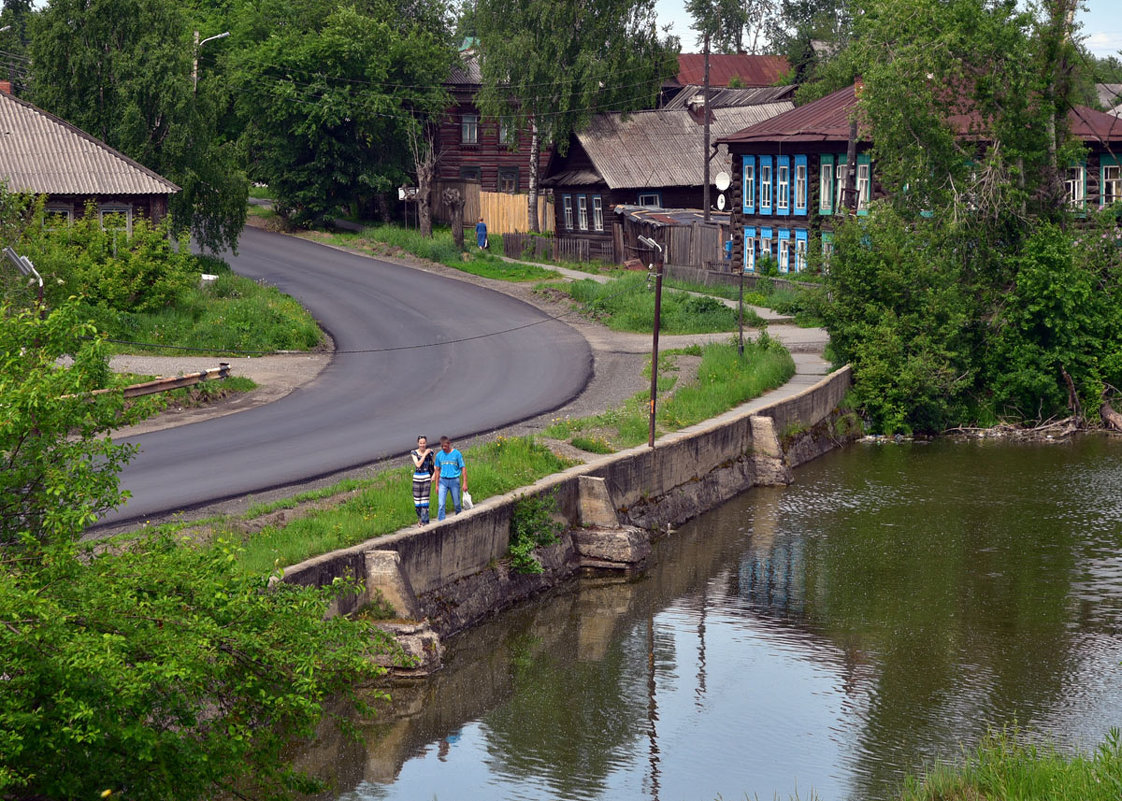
(724, 98)
(824, 120)
(751, 70)
(43, 154)
(828, 119)
(670, 217)
(662, 148)
(467, 72)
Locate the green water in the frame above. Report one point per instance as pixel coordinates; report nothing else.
(823, 638)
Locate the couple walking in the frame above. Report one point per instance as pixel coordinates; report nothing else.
(445, 468)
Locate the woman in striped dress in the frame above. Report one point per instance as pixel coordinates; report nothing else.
(422, 478)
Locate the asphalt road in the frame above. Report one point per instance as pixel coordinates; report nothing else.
(416, 353)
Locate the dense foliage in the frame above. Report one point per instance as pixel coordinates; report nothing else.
(153, 669)
(973, 292)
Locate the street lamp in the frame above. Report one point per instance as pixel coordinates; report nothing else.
(198, 45)
(657, 267)
(24, 265)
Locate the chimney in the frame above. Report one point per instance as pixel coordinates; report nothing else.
(6, 87)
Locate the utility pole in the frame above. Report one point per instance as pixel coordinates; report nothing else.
(195, 61)
(657, 268)
(705, 152)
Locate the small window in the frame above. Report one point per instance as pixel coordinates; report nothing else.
(469, 129)
(749, 184)
(783, 189)
(1074, 185)
(597, 213)
(115, 217)
(826, 185)
(765, 188)
(471, 174)
(506, 131)
(784, 255)
(800, 188)
(800, 255)
(582, 212)
(567, 206)
(650, 200)
(863, 168)
(839, 185)
(1112, 184)
(508, 179)
(57, 217)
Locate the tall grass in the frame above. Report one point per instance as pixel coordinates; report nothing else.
(1004, 766)
(385, 503)
(627, 304)
(232, 314)
(725, 380)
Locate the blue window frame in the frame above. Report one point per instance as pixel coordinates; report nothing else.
(783, 185)
(783, 249)
(802, 186)
(748, 184)
(767, 184)
(749, 250)
(864, 182)
(826, 184)
(765, 243)
(800, 249)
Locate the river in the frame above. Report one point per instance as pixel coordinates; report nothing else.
(821, 639)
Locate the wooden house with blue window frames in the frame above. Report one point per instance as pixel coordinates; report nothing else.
(790, 172)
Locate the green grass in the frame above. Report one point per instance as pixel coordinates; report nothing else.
(627, 304)
(384, 504)
(725, 380)
(1006, 768)
(232, 314)
(190, 397)
(392, 239)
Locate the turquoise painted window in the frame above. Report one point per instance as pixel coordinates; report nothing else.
(783, 185)
(800, 249)
(1110, 180)
(767, 184)
(826, 185)
(801, 189)
(750, 250)
(765, 243)
(748, 185)
(864, 182)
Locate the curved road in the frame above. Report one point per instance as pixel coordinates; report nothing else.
(366, 405)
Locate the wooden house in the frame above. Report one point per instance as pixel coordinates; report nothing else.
(647, 158)
(44, 155)
(790, 171)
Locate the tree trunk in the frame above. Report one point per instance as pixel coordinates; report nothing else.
(454, 199)
(535, 162)
(1112, 418)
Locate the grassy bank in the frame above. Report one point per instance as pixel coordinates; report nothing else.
(383, 504)
(230, 315)
(627, 304)
(191, 397)
(1005, 768)
(724, 380)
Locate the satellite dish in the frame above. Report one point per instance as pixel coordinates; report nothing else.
(722, 181)
(720, 202)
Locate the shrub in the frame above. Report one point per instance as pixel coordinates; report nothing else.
(532, 525)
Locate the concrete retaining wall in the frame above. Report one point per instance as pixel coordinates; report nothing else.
(685, 474)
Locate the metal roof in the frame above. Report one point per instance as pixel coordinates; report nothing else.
(43, 154)
(659, 148)
(670, 217)
(750, 70)
(723, 98)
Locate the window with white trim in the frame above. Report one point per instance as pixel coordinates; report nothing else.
(506, 131)
(57, 217)
(800, 254)
(1075, 185)
(749, 184)
(1112, 184)
(597, 213)
(800, 187)
(826, 185)
(115, 217)
(469, 129)
(840, 173)
(650, 200)
(783, 188)
(863, 168)
(582, 212)
(765, 186)
(567, 207)
(784, 255)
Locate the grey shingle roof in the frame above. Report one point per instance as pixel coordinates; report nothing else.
(663, 148)
(43, 154)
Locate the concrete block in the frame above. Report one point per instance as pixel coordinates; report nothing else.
(599, 547)
(596, 507)
(384, 574)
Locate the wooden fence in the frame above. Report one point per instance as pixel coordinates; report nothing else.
(504, 213)
(695, 244)
(527, 246)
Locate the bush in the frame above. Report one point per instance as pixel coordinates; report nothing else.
(532, 525)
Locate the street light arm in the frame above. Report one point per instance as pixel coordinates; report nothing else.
(222, 35)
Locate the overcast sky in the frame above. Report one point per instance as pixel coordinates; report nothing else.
(1101, 20)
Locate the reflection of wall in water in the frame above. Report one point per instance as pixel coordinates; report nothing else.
(772, 576)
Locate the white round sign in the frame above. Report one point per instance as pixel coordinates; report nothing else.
(722, 181)
(720, 202)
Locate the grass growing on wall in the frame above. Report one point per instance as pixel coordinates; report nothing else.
(384, 504)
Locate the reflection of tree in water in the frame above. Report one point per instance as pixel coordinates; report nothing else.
(572, 722)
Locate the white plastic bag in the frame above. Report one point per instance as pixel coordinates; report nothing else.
(467, 501)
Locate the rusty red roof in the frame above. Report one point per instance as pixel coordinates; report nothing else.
(751, 70)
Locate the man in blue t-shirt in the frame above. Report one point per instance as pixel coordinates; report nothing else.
(450, 476)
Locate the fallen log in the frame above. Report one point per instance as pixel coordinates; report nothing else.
(1112, 418)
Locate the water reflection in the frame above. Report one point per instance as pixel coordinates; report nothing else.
(832, 635)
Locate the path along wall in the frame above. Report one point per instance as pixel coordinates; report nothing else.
(452, 572)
